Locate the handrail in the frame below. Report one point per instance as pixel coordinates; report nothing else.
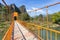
(44, 7)
(8, 34)
(40, 30)
(39, 27)
(25, 25)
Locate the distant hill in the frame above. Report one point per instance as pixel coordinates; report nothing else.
(21, 10)
(1, 4)
(24, 15)
(13, 8)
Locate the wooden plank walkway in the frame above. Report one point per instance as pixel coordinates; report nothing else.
(21, 33)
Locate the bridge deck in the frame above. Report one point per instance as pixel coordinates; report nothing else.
(21, 33)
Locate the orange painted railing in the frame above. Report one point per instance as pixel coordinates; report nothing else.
(8, 34)
(26, 25)
(42, 31)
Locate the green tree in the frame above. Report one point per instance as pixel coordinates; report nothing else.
(40, 17)
(56, 17)
(24, 16)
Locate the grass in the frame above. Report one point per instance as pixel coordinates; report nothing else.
(3, 28)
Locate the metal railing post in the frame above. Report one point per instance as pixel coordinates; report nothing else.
(47, 22)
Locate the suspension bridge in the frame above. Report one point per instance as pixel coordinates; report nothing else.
(19, 30)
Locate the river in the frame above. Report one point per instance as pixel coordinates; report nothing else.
(43, 34)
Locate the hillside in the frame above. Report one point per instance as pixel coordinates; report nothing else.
(5, 16)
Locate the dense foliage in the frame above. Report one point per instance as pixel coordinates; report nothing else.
(56, 17)
(8, 16)
(23, 15)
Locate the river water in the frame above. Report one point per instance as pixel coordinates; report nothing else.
(43, 34)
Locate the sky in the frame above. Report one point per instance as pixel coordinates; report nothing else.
(34, 4)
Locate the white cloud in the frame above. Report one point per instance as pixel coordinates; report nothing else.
(36, 13)
(28, 10)
(33, 8)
